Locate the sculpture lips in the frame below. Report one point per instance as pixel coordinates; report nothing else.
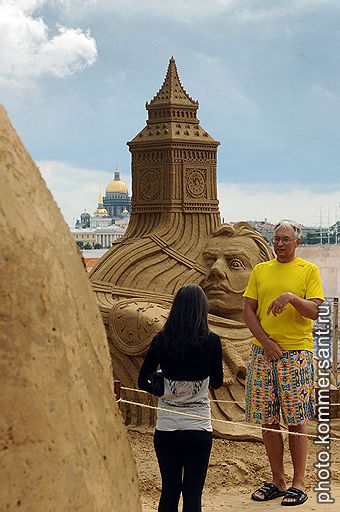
(217, 291)
(215, 288)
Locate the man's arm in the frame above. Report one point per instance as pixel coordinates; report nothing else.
(306, 307)
(272, 350)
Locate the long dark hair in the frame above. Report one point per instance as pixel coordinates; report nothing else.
(187, 323)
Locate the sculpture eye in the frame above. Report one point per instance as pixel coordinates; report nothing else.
(236, 265)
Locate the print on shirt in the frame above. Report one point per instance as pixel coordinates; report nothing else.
(185, 393)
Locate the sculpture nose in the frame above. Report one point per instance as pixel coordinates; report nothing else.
(219, 269)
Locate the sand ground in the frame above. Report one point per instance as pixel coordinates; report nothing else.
(235, 470)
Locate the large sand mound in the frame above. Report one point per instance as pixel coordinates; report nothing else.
(63, 446)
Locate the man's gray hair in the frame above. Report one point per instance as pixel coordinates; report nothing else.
(287, 223)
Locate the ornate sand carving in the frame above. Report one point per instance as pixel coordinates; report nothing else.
(63, 446)
(134, 322)
(150, 184)
(174, 224)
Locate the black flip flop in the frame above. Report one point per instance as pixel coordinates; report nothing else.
(269, 491)
(296, 494)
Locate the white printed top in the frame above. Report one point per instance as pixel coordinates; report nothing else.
(189, 397)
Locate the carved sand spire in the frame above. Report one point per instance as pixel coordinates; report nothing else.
(63, 443)
(174, 197)
(172, 92)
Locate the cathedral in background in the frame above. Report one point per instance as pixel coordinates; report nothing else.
(117, 201)
(109, 220)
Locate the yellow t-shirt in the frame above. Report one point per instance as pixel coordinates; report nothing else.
(270, 279)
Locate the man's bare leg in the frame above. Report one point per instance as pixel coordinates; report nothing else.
(273, 442)
(298, 446)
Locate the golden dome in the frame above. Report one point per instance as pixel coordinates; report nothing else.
(116, 185)
(100, 212)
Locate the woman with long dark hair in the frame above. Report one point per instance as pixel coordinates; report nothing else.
(190, 358)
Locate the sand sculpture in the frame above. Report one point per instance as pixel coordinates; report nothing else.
(175, 237)
(63, 441)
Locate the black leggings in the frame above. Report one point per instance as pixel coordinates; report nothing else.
(183, 458)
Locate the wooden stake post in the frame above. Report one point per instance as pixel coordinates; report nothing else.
(117, 388)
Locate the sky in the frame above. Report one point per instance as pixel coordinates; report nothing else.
(75, 76)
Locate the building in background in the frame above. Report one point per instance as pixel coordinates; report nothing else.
(117, 200)
(100, 217)
(265, 228)
(84, 221)
(109, 220)
(84, 237)
(106, 235)
(97, 238)
(91, 257)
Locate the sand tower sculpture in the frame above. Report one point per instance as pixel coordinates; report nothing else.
(174, 215)
(63, 442)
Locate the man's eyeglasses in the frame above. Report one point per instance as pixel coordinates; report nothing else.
(284, 239)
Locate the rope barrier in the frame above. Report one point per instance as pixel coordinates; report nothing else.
(195, 416)
(133, 389)
(211, 399)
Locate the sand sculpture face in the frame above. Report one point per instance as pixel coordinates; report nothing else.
(230, 259)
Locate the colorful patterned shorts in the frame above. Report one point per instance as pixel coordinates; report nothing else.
(286, 385)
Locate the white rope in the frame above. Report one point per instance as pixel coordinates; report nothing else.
(211, 399)
(121, 400)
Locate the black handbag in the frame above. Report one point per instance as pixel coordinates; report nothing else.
(156, 383)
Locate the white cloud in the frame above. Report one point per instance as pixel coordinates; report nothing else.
(320, 92)
(26, 6)
(27, 51)
(70, 51)
(75, 188)
(242, 12)
(257, 201)
(183, 11)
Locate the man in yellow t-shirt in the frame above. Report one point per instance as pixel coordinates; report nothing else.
(281, 302)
